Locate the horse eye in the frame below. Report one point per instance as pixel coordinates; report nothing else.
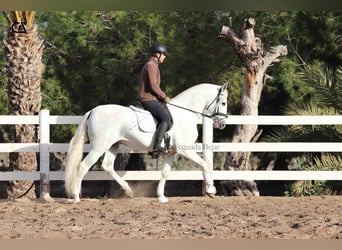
(223, 104)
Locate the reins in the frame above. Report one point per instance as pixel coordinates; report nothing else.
(202, 114)
(193, 111)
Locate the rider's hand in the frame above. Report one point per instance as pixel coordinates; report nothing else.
(167, 99)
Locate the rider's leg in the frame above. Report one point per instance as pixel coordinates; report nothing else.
(163, 116)
(159, 135)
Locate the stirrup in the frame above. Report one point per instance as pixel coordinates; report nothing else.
(159, 149)
(156, 152)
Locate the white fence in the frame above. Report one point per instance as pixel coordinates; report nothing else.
(208, 147)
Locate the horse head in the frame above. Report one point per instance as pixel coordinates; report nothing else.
(217, 108)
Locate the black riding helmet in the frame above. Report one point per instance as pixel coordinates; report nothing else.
(157, 47)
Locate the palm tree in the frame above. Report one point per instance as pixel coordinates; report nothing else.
(23, 50)
(325, 100)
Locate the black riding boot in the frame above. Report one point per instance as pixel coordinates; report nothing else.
(161, 130)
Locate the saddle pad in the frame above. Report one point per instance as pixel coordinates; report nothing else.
(145, 120)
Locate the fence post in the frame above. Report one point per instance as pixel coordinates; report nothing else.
(207, 140)
(44, 156)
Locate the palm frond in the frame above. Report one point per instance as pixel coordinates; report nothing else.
(327, 162)
(327, 82)
(326, 100)
(19, 16)
(306, 188)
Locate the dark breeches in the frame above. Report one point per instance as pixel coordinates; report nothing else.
(160, 111)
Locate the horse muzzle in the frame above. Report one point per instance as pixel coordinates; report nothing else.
(219, 123)
(219, 126)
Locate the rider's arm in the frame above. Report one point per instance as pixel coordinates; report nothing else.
(154, 78)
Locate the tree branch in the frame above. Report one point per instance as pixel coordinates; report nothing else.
(273, 54)
(249, 48)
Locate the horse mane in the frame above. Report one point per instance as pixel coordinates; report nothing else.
(185, 93)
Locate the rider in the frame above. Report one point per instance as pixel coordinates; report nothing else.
(152, 97)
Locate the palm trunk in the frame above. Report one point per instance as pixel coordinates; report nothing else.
(24, 70)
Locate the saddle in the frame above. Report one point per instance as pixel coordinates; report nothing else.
(145, 120)
(147, 123)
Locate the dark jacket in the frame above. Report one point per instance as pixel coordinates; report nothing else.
(149, 83)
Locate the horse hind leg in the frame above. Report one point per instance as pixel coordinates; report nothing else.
(84, 167)
(108, 166)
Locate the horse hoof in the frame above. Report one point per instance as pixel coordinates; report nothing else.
(211, 190)
(211, 195)
(129, 193)
(163, 199)
(77, 201)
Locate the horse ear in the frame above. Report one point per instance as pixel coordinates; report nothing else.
(224, 86)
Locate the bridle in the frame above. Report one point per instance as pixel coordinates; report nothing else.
(216, 108)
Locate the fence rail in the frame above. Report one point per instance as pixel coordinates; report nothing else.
(207, 147)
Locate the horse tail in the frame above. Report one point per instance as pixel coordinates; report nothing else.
(74, 156)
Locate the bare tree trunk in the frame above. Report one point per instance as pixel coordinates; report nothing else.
(256, 61)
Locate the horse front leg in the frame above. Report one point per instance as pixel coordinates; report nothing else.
(210, 189)
(164, 174)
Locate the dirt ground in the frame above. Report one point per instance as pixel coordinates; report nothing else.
(191, 217)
